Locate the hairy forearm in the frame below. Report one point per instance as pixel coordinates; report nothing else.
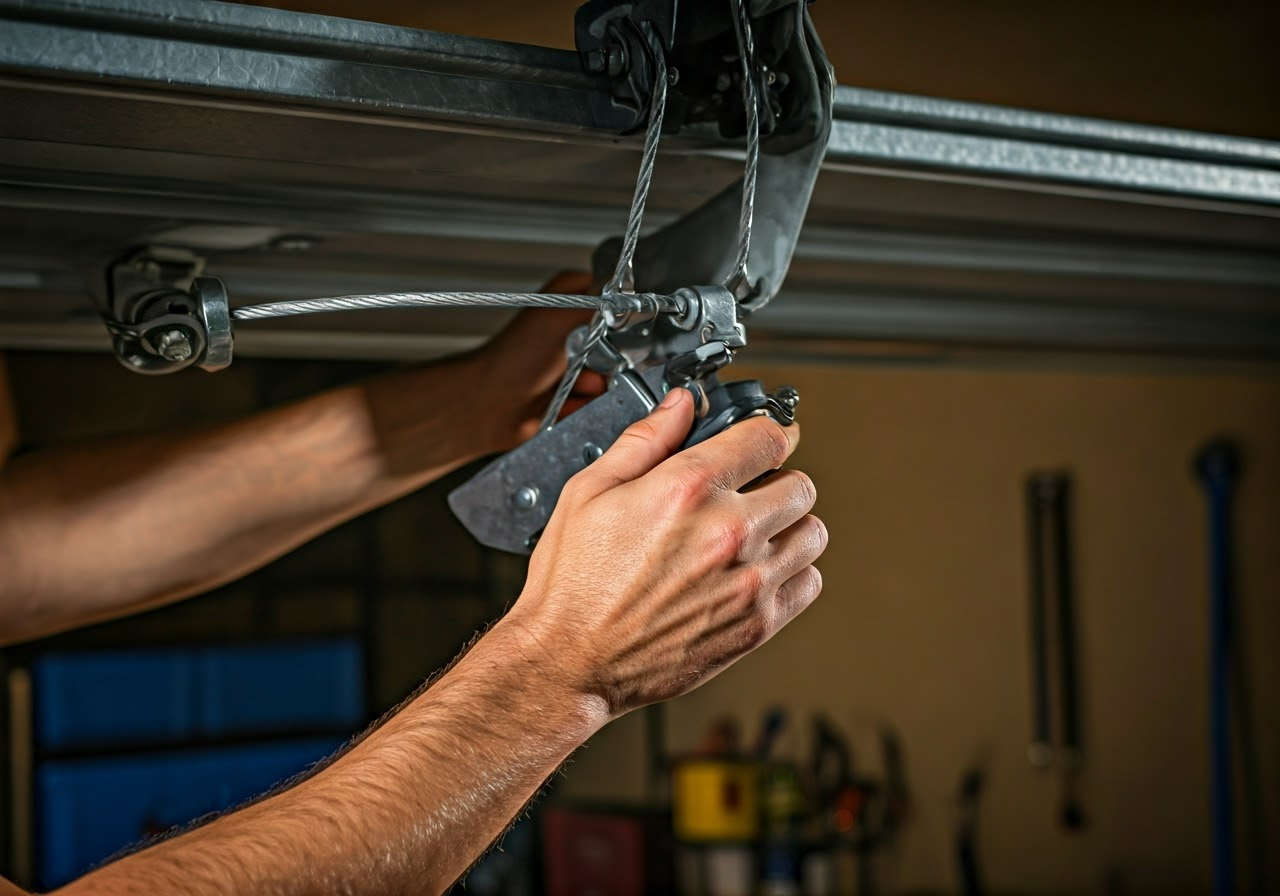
(95, 531)
(407, 809)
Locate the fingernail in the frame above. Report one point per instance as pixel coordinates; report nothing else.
(671, 399)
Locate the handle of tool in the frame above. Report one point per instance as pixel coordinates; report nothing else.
(1060, 516)
(1217, 465)
(1040, 751)
(1072, 817)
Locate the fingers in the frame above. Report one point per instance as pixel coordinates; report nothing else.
(777, 503)
(796, 547)
(796, 594)
(742, 453)
(644, 444)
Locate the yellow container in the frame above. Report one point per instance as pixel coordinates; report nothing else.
(716, 800)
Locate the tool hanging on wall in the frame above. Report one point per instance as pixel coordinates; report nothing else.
(1217, 466)
(968, 800)
(1052, 614)
(860, 812)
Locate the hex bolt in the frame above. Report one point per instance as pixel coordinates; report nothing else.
(526, 497)
(174, 345)
(591, 452)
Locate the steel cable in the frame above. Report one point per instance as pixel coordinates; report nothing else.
(737, 276)
(616, 304)
(623, 280)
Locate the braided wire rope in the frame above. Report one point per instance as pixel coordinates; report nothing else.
(751, 102)
(623, 280)
(618, 298)
(616, 304)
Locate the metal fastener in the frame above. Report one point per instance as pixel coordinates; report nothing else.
(591, 451)
(174, 345)
(526, 497)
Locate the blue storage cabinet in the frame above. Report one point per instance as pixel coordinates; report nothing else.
(90, 809)
(236, 721)
(100, 699)
(156, 696)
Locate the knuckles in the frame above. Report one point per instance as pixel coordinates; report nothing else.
(815, 534)
(812, 583)
(693, 481)
(774, 444)
(807, 488)
(727, 537)
(804, 494)
(575, 490)
(749, 585)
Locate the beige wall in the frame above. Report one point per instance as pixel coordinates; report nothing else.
(923, 618)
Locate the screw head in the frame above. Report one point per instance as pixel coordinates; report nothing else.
(526, 497)
(591, 451)
(174, 345)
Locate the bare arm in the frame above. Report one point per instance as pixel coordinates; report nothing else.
(101, 530)
(407, 810)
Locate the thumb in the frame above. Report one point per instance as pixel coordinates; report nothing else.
(647, 442)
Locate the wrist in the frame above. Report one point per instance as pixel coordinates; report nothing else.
(549, 672)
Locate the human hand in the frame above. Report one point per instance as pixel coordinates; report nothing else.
(655, 572)
(516, 373)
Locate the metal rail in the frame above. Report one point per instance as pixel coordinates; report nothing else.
(418, 160)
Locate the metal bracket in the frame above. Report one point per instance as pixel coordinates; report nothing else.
(798, 91)
(163, 316)
(698, 41)
(508, 504)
